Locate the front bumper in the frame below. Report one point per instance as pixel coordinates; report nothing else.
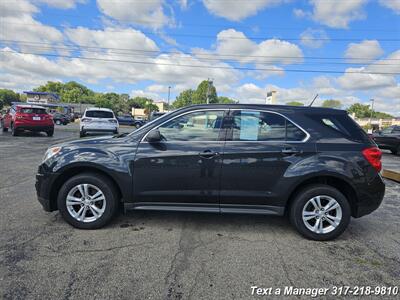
(43, 186)
(370, 197)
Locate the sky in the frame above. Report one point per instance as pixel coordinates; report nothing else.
(340, 49)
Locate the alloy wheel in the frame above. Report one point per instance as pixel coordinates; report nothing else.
(322, 214)
(86, 202)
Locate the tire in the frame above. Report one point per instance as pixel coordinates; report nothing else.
(4, 128)
(58, 122)
(14, 131)
(94, 183)
(396, 151)
(82, 133)
(302, 202)
(50, 133)
(137, 125)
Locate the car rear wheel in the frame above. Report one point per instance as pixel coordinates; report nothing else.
(137, 125)
(396, 151)
(50, 133)
(320, 212)
(14, 131)
(88, 201)
(58, 122)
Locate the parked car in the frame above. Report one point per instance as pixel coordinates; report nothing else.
(60, 119)
(129, 120)
(388, 138)
(156, 115)
(28, 117)
(98, 120)
(315, 165)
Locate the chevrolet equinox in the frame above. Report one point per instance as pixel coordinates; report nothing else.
(315, 165)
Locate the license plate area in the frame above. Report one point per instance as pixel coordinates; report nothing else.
(36, 118)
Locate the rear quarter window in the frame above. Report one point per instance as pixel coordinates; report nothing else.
(341, 124)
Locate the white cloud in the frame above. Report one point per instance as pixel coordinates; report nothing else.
(391, 4)
(144, 13)
(111, 38)
(357, 81)
(314, 38)
(61, 4)
(363, 51)
(337, 15)
(142, 93)
(234, 46)
(238, 10)
(17, 9)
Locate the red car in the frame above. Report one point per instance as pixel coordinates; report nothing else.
(27, 117)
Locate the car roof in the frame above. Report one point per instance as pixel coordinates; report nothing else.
(29, 106)
(278, 108)
(98, 108)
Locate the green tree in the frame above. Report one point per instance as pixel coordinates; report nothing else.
(7, 97)
(200, 95)
(295, 103)
(225, 100)
(364, 111)
(138, 102)
(332, 103)
(70, 92)
(185, 98)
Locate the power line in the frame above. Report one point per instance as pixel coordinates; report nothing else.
(201, 36)
(200, 66)
(78, 47)
(228, 60)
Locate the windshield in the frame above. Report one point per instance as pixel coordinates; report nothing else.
(99, 114)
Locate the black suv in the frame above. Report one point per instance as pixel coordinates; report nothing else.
(314, 164)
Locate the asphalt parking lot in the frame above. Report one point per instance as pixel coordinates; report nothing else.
(154, 255)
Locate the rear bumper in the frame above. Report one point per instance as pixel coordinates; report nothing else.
(35, 127)
(99, 128)
(370, 197)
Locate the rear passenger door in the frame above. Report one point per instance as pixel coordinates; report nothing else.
(259, 148)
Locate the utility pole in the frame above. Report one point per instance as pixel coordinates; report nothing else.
(169, 93)
(372, 111)
(209, 85)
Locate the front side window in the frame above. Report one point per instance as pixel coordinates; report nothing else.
(196, 126)
(263, 126)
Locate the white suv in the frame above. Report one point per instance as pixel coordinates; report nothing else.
(98, 120)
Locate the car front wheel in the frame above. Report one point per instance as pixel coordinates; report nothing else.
(88, 201)
(320, 212)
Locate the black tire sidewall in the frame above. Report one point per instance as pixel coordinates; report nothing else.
(306, 194)
(104, 184)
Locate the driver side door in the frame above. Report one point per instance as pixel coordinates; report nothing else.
(182, 171)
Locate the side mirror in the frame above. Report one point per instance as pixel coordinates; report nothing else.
(153, 136)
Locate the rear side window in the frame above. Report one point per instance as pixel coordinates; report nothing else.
(99, 114)
(343, 125)
(32, 110)
(248, 125)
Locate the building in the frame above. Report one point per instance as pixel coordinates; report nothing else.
(377, 123)
(139, 113)
(41, 97)
(271, 98)
(162, 106)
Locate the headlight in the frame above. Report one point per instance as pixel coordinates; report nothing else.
(51, 152)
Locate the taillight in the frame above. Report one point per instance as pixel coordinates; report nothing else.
(373, 155)
(19, 117)
(86, 120)
(112, 121)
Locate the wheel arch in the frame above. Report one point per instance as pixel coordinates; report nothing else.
(339, 183)
(71, 172)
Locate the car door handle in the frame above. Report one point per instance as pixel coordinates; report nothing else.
(208, 154)
(290, 151)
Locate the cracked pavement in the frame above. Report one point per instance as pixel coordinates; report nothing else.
(165, 255)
